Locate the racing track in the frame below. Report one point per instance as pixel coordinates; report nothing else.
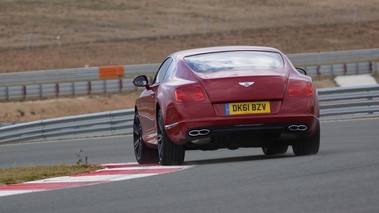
(343, 177)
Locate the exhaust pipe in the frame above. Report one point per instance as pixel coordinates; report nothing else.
(198, 132)
(299, 128)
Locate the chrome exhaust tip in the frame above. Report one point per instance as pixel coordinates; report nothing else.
(298, 128)
(198, 132)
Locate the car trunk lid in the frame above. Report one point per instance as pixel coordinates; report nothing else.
(247, 85)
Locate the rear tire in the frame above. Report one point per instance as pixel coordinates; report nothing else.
(275, 149)
(309, 146)
(168, 152)
(143, 154)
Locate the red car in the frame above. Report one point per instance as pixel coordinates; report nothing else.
(225, 97)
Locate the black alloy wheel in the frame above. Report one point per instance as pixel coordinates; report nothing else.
(143, 154)
(168, 152)
(308, 146)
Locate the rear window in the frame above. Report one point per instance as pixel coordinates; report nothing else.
(234, 60)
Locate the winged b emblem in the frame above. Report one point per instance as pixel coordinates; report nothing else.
(246, 84)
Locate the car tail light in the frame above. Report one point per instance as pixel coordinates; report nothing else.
(189, 94)
(300, 89)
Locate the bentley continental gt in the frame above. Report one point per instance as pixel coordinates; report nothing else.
(225, 97)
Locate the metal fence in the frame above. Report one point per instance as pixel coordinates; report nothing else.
(335, 103)
(68, 75)
(90, 125)
(82, 81)
(40, 91)
(324, 63)
(349, 102)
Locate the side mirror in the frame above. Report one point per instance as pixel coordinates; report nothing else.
(141, 81)
(301, 70)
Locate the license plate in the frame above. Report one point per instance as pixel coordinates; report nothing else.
(247, 108)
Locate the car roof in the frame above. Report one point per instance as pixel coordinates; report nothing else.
(184, 53)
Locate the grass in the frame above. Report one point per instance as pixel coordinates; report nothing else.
(31, 173)
(53, 34)
(39, 22)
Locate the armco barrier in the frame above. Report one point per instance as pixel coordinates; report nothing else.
(90, 125)
(324, 63)
(74, 75)
(82, 81)
(349, 102)
(39, 91)
(335, 103)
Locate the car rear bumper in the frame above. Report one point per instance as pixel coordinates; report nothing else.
(257, 130)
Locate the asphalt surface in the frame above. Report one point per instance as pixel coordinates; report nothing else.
(343, 177)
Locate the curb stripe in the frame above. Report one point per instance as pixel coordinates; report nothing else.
(46, 186)
(111, 172)
(125, 172)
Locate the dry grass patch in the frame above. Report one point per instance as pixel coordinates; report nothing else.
(53, 34)
(26, 111)
(31, 173)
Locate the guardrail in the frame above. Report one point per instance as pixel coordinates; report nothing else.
(73, 75)
(82, 81)
(40, 91)
(90, 125)
(335, 103)
(349, 102)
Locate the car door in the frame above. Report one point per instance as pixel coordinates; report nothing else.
(149, 100)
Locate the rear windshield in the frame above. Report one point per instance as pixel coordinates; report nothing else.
(234, 60)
